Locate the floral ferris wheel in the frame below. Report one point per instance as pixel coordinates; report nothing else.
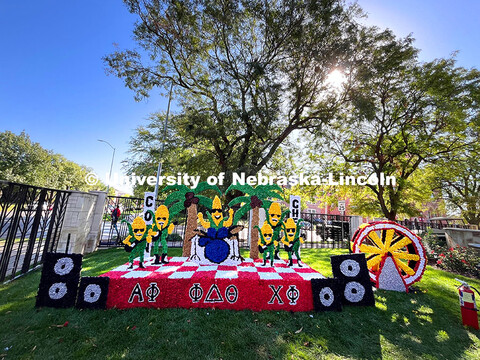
(395, 256)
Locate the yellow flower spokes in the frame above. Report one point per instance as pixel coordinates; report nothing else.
(388, 244)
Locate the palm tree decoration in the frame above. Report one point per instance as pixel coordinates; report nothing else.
(254, 199)
(191, 199)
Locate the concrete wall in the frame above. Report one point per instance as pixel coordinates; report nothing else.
(83, 221)
(355, 222)
(462, 237)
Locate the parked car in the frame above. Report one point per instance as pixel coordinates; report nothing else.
(307, 225)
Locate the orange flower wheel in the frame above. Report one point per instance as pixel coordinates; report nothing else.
(381, 239)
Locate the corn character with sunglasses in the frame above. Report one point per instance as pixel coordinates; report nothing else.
(275, 220)
(266, 244)
(216, 219)
(161, 228)
(292, 239)
(138, 231)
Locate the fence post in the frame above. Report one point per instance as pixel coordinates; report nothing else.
(33, 231)
(12, 231)
(68, 243)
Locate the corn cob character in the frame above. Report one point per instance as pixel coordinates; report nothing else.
(292, 240)
(218, 230)
(216, 219)
(161, 228)
(266, 244)
(275, 220)
(138, 231)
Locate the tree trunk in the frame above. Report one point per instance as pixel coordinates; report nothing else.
(189, 230)
(254, 234)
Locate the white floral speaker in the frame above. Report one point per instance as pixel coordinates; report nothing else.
(59, 280)
(352, 271)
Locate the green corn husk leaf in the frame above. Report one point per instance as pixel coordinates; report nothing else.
(285, 213)
(130, 230)
(299, 227)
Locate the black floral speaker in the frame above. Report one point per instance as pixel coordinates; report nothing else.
(352, 271)
(327, 294)
(59, 280)
(92, 293)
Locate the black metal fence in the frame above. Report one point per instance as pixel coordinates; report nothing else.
(31, 219)
(432, 224)
(318, 231)
(326, 231)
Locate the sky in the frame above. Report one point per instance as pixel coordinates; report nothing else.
(53, 83)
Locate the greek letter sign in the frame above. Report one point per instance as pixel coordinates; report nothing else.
(148, 204)
(295, 207)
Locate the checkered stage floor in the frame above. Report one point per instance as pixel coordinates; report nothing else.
(180, 268)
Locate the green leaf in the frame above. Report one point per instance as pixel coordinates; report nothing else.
(182, 188)
(246, 189)
(205, 186)
(266, 204)
(176, 209)
(271, 194)
(240, 199)
(240, 213)
(269, 187)
(176, 196)
(205, 201)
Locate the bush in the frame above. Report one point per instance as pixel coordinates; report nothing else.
(174, 237)
(459, 259)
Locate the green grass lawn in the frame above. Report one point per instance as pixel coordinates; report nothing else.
(425, 324)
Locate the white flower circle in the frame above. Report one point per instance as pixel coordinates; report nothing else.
(92, 293)
(350, 268)
(63, 266)
(57, 290)
(326, 300)
(354, 291)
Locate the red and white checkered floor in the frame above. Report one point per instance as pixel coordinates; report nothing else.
(180, 268)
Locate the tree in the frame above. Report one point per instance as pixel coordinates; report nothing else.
(178, 155)
(24, 161)
(184, 197)
(402, 115)
(248, 74)
(458, 179)
(254, 199)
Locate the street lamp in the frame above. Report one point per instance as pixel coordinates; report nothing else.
(159, 170)
(111, 165)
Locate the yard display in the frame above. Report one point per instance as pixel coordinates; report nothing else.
(396, 258)
(214, 274)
